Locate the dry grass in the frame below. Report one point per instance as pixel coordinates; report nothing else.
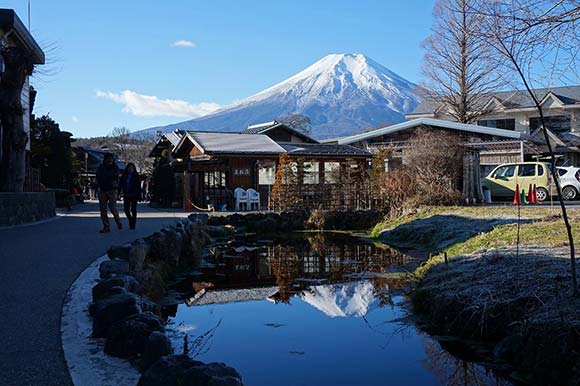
(520, 302)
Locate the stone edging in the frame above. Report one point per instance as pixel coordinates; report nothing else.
(87, 363)
(108, 314)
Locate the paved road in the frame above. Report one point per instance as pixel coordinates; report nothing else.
(555, 203)
(38, 263)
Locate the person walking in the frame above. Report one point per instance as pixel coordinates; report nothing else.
(108, 184)
(130, 186)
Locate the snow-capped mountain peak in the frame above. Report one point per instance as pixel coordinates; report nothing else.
(340, 93)
(335, 75)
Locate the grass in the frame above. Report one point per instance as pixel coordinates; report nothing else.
(529, 212)
(543, 226)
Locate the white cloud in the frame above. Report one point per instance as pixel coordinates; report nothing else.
(147, 105)
(183, 43)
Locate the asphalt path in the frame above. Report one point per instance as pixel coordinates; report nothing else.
(38, 263)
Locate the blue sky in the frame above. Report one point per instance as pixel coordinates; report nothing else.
(108, 56)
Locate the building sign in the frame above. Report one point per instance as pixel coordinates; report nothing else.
(241, 172)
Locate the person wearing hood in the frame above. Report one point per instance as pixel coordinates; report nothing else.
(108, 183)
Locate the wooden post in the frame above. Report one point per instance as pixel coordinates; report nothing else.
(186, 191)
(445, 257)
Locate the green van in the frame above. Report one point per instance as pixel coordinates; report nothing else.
(502, 180)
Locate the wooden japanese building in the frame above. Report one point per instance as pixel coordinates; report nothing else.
(211, 165)
(495, 146)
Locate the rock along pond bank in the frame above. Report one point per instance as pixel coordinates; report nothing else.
(130, 321)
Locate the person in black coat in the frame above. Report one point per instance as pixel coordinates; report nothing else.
(130, 186)
(108, 184)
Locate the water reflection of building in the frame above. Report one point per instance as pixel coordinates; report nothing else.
(340, 277)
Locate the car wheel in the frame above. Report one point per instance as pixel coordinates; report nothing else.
(541, 194)
(569, 193)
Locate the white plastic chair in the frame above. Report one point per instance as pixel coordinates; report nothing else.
(241, 197)
(253, 198)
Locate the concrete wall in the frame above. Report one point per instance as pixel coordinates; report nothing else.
(22, 208)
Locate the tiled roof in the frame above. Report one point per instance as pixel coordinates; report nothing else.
(326, 150)
(235, 143)
(512, 99)
(96, 157)
(174, 137)
(263, 128)
(570, 139)
(206, 297)
(255, 129)
(432, 123)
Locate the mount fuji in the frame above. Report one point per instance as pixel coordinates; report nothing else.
(342, 94)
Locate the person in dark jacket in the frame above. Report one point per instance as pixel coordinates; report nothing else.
(130, 186)
(108, 184)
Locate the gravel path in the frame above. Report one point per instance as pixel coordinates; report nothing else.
(38, 263)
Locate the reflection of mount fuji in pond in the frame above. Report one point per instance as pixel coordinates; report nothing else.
(354, 299)
(338, 275)
(340, 300)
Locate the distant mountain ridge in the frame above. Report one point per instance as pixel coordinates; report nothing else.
(341, 94)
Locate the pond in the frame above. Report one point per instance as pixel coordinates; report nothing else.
(311, 309)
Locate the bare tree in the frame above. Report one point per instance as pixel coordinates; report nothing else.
(435, 158)
(538, 41)
(122, 142)
(131, 148)
(457, 64)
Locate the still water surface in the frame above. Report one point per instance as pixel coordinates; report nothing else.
(312, 309)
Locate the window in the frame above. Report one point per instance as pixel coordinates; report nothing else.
(555, 123)
(505, 124)
(561, 172)
(331, 172)
(505, 172)
(311, 175)
(214, 180)
(527, 170)
(267, 174)
(540, 170)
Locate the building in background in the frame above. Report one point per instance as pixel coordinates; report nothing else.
(515, 111)
(209, 166)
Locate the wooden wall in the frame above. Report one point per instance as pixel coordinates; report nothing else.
(242, 173)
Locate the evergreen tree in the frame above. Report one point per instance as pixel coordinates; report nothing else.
(163, 181)
(51, 152)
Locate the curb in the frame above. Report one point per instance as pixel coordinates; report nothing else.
(87, 363)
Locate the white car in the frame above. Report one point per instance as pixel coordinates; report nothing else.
(570, 182)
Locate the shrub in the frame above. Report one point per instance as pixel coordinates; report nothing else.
(435, 159)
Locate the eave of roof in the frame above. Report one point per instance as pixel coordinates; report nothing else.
(9, 20)
(326, 150)
(429, 122)
(270, 147)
